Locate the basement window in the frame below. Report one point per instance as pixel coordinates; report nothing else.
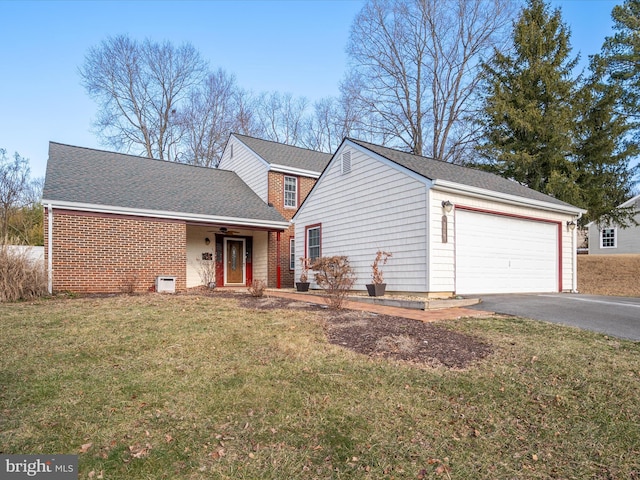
(608, 238)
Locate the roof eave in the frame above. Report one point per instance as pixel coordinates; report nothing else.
(164, 214)
(453, 187)
(294, 171)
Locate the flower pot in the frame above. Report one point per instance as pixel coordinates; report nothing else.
(302, 286)
(376, 289)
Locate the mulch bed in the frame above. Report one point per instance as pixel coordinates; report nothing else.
(381, 335)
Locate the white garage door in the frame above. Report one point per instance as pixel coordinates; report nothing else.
(499, 254)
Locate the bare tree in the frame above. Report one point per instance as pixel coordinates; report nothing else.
(15, 189)
(281, 117)
(212, 111)
(415, 69)
(139, 88)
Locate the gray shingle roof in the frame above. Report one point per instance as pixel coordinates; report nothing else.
(88, 176)
(286, 155)
(438, 170)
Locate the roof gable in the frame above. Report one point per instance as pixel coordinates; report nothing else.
(286, 155)
(94, 177)
(471, 177)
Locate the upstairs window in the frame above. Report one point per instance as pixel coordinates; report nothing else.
(290, 192)
(608, 238)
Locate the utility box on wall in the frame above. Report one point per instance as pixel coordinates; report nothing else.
(166, 284)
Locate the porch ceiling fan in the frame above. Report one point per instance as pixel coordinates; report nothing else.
(224, 231)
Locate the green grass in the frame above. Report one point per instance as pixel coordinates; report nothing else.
(187, 387)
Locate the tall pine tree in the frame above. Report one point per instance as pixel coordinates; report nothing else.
(603, 150)
(527, 120)
(621, 56)
(551, 132)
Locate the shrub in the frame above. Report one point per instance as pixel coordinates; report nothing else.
(257, 288)
(21, 278)
(335, 276)
(377, 276)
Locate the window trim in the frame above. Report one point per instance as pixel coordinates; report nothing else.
(292, 253)
(307, 229)
(295, 192)
(614, 235)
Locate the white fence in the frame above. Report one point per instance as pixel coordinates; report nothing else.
(36, 254)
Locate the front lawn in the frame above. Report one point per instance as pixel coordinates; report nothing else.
(197, 387)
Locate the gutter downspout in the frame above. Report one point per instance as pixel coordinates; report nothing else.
(50, 249)
(574, 245)
(278, 269)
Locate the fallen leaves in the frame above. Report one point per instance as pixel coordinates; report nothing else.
(84, 448)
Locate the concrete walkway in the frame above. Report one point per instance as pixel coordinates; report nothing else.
(422, 315)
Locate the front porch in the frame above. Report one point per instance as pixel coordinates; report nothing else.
(227, 255)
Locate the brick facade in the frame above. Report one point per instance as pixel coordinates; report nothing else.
(96, 253)
(276, 198)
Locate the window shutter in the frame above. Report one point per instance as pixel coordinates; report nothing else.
(346, 162)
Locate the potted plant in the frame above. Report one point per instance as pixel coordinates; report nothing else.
(303, 284)
(377, 287)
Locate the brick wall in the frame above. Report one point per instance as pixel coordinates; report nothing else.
(110, 253)
(276, 198)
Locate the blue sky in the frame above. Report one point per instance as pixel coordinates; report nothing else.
(287, 46)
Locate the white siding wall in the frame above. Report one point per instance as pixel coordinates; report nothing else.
(375, 206)
(260, 257)
(249, 167)
(443, 256)
(196, 246)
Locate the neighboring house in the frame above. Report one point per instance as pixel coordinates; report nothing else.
(611, 239)
(116, 222)
(282, 176)
(451, 229)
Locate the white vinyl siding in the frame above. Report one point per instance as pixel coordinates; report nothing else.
(290, 192)
(249, 167)
(374, 207)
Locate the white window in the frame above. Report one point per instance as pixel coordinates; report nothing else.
(290, 192)
(292, 254)
(608, 238)
(313, 243)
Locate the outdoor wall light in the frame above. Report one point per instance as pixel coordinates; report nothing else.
(571, 225)
(223, 229)
(447, 206)
(207, 241)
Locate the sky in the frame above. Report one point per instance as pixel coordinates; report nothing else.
(292, 46)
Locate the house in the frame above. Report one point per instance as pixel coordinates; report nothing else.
(116, 222)
(282, 176)
(610, 239)
(451, 229)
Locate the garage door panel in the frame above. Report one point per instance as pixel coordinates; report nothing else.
(500, 254)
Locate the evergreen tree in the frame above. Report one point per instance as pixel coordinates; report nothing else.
(621, 56)
(603, 150)
(527, 120)
(553, 133)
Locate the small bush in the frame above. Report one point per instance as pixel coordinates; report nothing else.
(20, 277)
(335, 276)
(257, 288)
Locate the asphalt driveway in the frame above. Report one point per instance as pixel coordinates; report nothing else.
(615, 316)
